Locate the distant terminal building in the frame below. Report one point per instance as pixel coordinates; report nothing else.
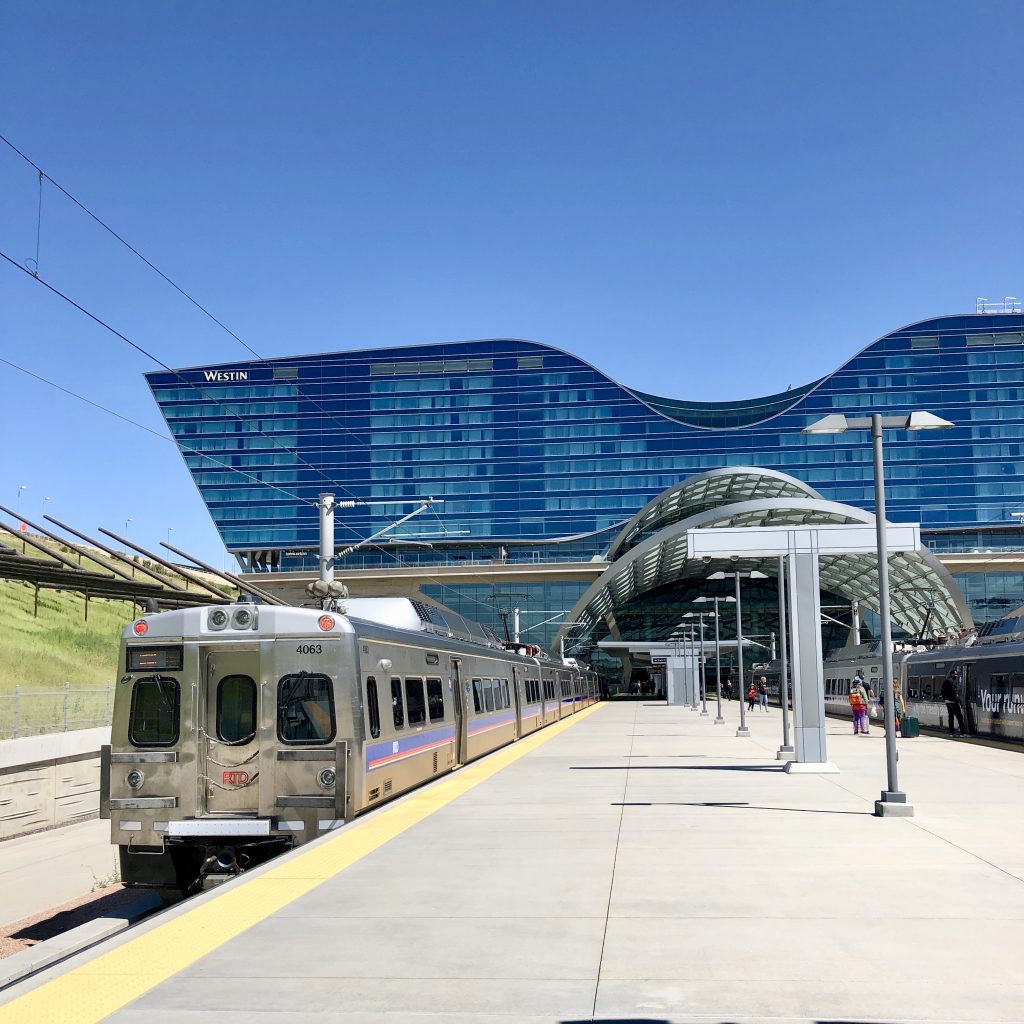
(542, 459)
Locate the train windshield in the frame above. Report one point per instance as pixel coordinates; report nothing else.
(305, 708)
(155, 710)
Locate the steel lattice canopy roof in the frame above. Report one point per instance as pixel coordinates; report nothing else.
(917, 580)
(704, 491)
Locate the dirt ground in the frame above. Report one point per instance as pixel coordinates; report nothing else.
(39, 927)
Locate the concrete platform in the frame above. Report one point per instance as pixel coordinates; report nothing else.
(640, 865)
(45, 869)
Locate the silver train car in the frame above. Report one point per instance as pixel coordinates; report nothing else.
(241, 731)
(989, 678)
(839, 668)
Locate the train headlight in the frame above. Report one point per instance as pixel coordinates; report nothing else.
(218, 619)
(243, 619)
(135, 779)
(327, 778)
(141, 628)
(326, 623)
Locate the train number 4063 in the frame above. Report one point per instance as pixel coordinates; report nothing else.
(309, 649)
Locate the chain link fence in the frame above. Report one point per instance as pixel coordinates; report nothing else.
(34, 712)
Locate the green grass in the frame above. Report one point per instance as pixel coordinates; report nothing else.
(38, 655)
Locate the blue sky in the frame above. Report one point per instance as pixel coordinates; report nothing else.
(708, 201)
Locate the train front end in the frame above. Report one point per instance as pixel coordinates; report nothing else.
(230, 738)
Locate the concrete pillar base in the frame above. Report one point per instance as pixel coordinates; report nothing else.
(810, 768)
(719, 720)
(893, 804)
(742, 731)
(704, 714)
(884, 810)
(785, 753)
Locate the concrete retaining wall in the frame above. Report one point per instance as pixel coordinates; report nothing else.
(49, 780)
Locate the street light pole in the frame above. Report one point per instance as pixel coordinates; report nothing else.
(702, 671)
(688, 637)
(719, 720)
(742, 730)
(893, 801)
(786, 752)
(702, 676)
(892, 793)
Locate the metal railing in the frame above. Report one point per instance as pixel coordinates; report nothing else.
(30, 712)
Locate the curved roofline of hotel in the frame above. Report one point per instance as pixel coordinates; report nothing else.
(799, 397)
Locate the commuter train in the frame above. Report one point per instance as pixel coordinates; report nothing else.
(839, 668)
(242, 730)
(988, 675)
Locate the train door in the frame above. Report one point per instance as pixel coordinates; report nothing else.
(228, 716)
(462, 701)
(517, 703)
(969, 672)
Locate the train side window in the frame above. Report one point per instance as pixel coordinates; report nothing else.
(926, 688)
(414, 701)
(397, 704)
(488, 694)
(505, 693)
(236, 709)
(435, 700)
(999, 685)
(1017, 684)
(154, 716)
(372, 707)
(305, 708)
(478, 697)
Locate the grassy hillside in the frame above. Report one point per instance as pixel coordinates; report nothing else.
(41, 654)
(59, 646)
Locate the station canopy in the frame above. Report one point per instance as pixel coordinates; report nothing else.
(650, 553)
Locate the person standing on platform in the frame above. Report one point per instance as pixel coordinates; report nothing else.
(751, 696)
(859, 705)
(901, 704)
(762, 693)
(951, 695)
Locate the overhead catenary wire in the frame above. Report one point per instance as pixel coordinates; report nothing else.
(43, 175)
(149, 263)
(106, 227)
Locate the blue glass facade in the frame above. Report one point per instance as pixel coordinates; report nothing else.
(541, 457)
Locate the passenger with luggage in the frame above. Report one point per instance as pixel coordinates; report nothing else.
(859, 705)
(900, 706)
(951, 695)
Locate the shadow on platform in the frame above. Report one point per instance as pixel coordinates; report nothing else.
(741, 804)
(678, 767)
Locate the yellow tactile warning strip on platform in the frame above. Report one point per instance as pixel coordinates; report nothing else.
(107, 983)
